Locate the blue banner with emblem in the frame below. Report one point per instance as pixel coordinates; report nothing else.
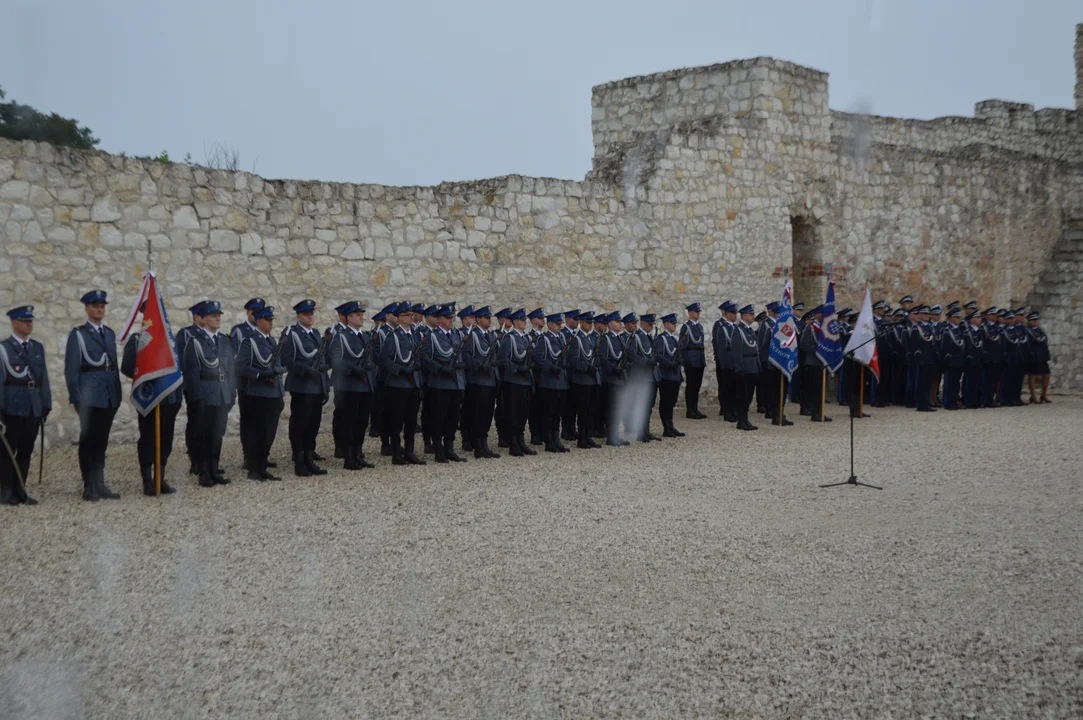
(783, 351)
(829, 342)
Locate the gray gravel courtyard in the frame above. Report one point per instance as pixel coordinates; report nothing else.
(706, 576)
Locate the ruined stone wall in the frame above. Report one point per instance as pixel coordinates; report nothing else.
(700, 177)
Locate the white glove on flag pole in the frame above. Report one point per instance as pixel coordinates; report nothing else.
(864, 338)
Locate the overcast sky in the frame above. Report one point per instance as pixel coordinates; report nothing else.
(416, 92)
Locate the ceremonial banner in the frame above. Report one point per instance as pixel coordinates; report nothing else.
(783, 351)
(828, 343)
(863, 341)
(157, 370)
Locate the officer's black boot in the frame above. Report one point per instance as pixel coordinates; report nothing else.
(254, 474)
(514, 449)
(350, 457)
(104, 491)
(397, 455)
(90, 487)
(167, 489)
(310, 460)
(300, 467)
(480, 453)
(468, 444)
(429, 447)
(359, 457)
(449, 452)
(527, 450)
(502, 441)
(219, 477)
(316, 457)
(193, 467)
(341, 453)
(386, 450)
(147, 472)
(439, 453)
(561, 447)
(206, 474)
(485, 446)
(550, 442)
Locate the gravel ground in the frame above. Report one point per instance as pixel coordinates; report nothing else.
(707, 576)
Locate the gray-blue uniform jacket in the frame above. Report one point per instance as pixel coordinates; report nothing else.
(351, 365)
(745, 349)
(24, 379)
(441, 356)
(640, 348)
(611, 348)
(480, 365)
(377, 339)
(127, 366)
(552, 374)
(208, 364)
(299, 358)
(581, 357)
(694, 354)
(953, 347)
(665, 352)
(513, 358)
(90, 367)
(724, 337)
(399, 359)
(764, 333)
(254, 364)
(180, 341)
(922, 347)
(807, 345)
(992, 349)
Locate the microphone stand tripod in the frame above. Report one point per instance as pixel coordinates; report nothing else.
(852, 480)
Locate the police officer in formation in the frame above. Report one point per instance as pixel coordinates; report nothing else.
(93, 379)
(570, 371)
(25, 402)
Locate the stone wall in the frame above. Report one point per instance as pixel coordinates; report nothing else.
(703, 180)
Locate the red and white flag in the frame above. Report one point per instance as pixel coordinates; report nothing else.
(863, 341)
(157, 371)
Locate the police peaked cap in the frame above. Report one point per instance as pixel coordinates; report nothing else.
(648, 318)
(94, 297)
(467, 311)
(671, 318)
(306, 305)
(255, 304)
(483, 312)
(694, 307)
(536, 313)
(264, 312)
(23, 312)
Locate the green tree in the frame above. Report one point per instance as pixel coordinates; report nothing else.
(22, 122)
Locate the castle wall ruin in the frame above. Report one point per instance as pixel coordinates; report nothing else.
(707, 184)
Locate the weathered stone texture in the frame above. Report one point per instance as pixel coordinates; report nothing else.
(708, 184)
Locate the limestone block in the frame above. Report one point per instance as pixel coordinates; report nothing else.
(16, 190)
(353, 251)
(316, 246)
(224, 241)
(7, 170)
(61, 234)
(251, 244)
(384, 249)
(33, 233)
(475, 238)
(274, 246)
(21, 212)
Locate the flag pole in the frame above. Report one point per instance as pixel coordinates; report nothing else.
(861, 391)
(158, 449)
(823, 392)
(781, 398)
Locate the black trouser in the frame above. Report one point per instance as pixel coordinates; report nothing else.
(550, 408)
(772, 380)
(306, 410)
(727, 389)
(336, 423)
(720, 380)
(583, 401)
(386, 413)
(854, 392)
(567, 417)
(763, 393)
(145, 446)
(667, 400)
(242, 408)
(812, 387)
(352, 409)
(443, 406)
(601, 410)
(644, 383)
(427, 430)
(881, 389)
(498, 413)
(94, 427)
(744, 385)
(190, 409)
(923, 382)
(210, 427)
(990, 383)
(973, 382)
(898, 382)
(693, 382)
(515, 400)
(21, 434)
(481, 401)
(401, 407)
(536, 415)
(262, 428)
(466, 415)
(612, 410)
(951, 387)
(376, 410)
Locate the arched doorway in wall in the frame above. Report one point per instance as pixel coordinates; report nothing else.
(809, 285)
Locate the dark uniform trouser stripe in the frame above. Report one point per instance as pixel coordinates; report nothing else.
(516, 404)
(21, 434)
(94, 427)
(306, 410)
(551, 408)
(352, 409)
(667, 399)
(145, 446)
(444, 413)
(210, 427)
(190, 429)
(262, 429)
